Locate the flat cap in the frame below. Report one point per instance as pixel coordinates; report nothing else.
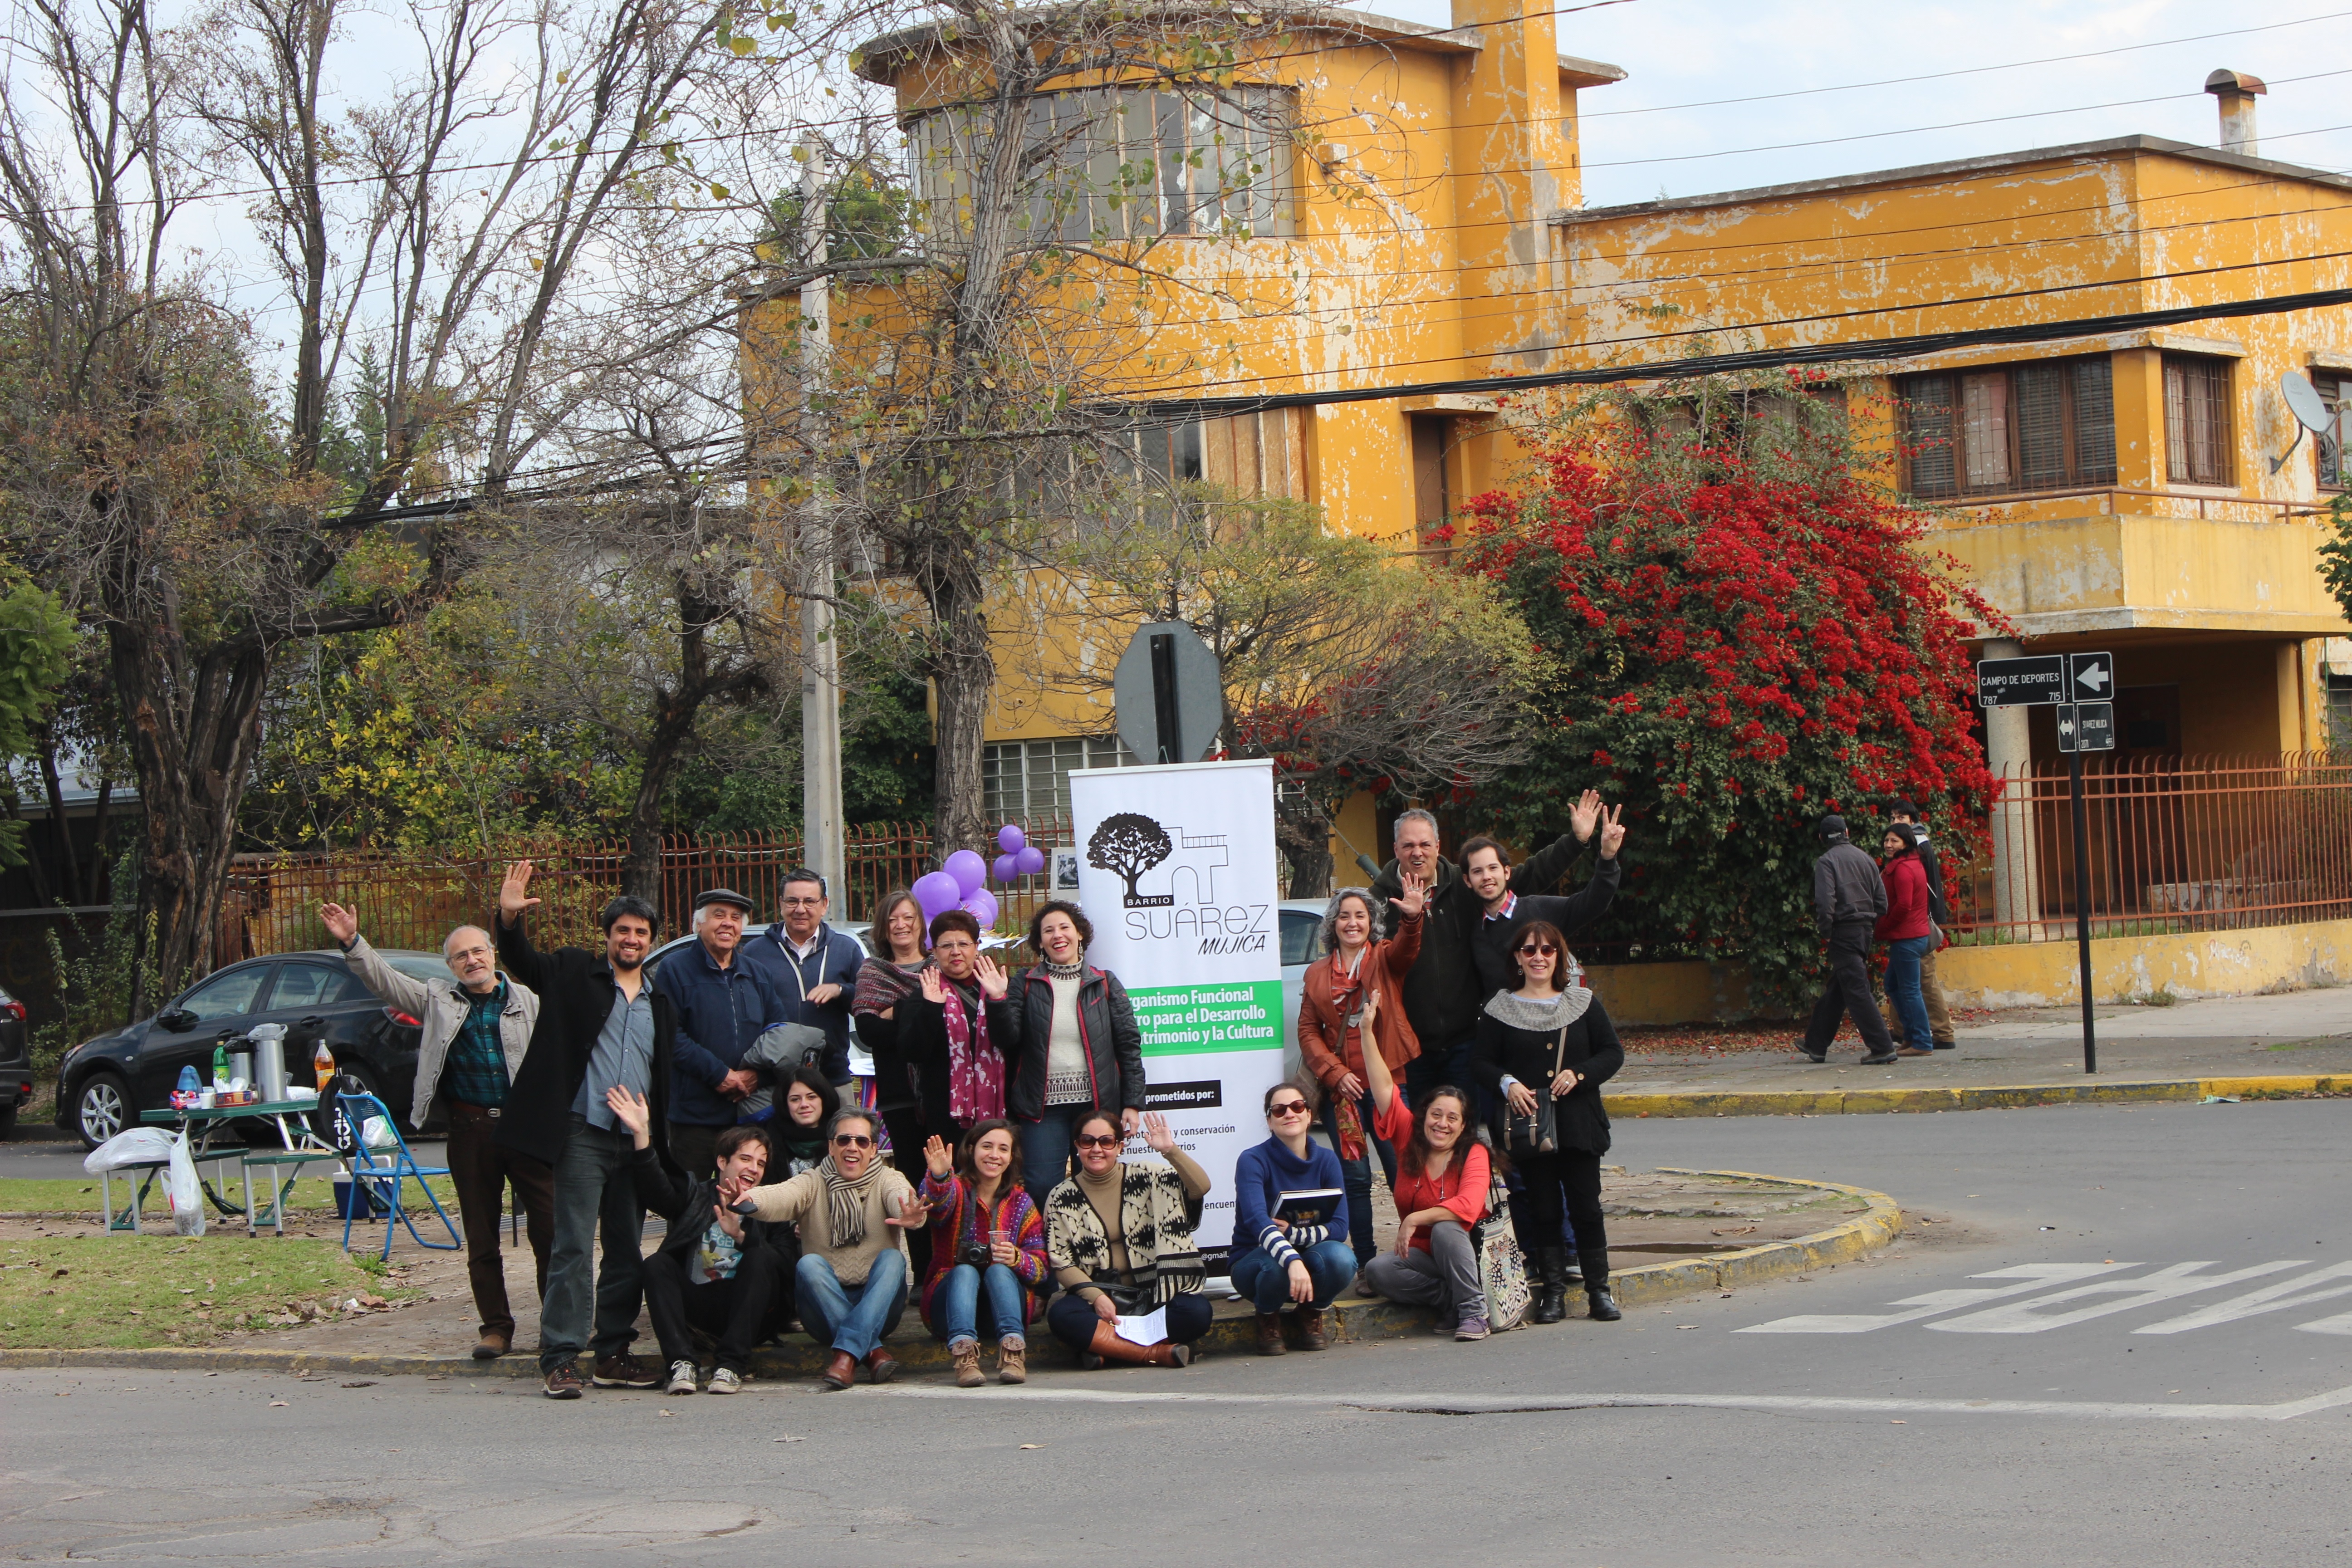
(723, 896)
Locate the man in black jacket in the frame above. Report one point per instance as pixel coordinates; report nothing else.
(1907, 816)
(1848, 898)
(1441, 991)
(1503, 914)
(601, 1024)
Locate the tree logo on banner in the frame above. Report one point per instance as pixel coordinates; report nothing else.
(1131, 844)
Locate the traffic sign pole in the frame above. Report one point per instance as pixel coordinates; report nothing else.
(2083, 910)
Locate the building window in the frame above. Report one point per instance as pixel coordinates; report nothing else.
(2046, 426)
(1029, 780)
(2333, 391)
(1126, 164)
(2197, 442)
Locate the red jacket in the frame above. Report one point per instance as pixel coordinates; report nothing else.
(1906, 900)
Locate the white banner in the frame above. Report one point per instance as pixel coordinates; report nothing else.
(1178, 873)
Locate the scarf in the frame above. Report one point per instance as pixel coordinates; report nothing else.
(796, 1148)
(975, 1071)
(1346, 990)
(845, 1200)
(882, 985)
(1540, 1017)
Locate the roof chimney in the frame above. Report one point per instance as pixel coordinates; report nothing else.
(2237, 92)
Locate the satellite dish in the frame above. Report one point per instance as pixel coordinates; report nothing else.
(2310, 413)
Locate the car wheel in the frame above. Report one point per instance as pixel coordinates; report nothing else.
(101, 1108)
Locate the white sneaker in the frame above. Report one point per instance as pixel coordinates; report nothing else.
(681, 1378)
(725, 1380)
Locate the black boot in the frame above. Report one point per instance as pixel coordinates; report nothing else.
(1603, 1308)
(1551, 1295)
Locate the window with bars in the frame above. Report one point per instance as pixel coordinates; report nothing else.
(2334, 391)
(1028, 779)
(2198, 445)
(2043, 427)
(1118, 163)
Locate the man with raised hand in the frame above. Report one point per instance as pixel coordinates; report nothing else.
(600, 1026)
(722, 1005)
(476, 1029)
(1486, 866)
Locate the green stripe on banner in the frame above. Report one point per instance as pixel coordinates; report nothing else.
(1223, 1015)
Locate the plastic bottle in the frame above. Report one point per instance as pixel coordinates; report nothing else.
(322, 1062)
(220, 1067)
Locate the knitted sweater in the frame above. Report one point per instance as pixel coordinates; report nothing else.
(1151, 1257)
(959, 1220)
(803, 1199)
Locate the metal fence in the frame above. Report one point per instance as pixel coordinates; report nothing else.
(413, 899)
(2176, 844)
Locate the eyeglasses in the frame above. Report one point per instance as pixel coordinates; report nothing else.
(804, 903)
(1535, 948)
(850, 1141)
(1098, 1140)
(1287, 1108)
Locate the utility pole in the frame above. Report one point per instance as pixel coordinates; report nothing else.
(821, 811)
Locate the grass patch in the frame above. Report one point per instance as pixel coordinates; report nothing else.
(139, 1291)
(314, 1193)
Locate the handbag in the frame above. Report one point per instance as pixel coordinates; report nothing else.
(1537, 1132)
(1502, 1268)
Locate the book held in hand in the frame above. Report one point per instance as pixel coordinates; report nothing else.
(1310, 1207)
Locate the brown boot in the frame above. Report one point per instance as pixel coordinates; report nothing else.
(1310, 1330)
(493, 1346)
(1109, 1346)
(1269, 1334)
(881, 1366)
(966, 1356)
(841, 1371)
(1012, 1359)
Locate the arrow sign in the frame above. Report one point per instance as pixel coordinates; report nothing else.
(2090, 677)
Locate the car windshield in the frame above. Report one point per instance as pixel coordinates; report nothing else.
(226, 996)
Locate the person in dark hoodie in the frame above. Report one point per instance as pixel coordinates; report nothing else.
(1442, 991)
(1849, 896)
(723, 1272)
(1906, 815)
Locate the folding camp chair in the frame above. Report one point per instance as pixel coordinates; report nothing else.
(380, 1172)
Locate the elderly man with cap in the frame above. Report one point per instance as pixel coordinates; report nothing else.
(722, 1003)
(1848, 898)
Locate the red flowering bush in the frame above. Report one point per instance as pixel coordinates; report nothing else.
(1739, 643)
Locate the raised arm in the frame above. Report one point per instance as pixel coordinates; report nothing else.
(1382, 1081)
(392, 987)
(515, 954)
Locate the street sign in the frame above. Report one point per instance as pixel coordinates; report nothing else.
(2086, 726)
(1170, 694)
(2022, 682)
(2090, 678)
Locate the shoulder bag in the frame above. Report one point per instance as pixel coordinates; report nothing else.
(1537, 1133)
(1502, 1268)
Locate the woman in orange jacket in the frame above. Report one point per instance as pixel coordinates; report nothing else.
(1358, 959)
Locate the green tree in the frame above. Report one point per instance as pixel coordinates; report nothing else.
(36, 647)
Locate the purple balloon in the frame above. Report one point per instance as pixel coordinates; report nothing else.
(967, 869)
(938, 893)
(1010, 838)
(1030, 860)
(1004, 869)
(981, 907)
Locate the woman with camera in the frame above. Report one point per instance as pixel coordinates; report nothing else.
(1545, 1049)
(1119, 1236)
(988, 1251)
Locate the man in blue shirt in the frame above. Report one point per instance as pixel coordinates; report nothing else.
(813, 967)
(722, 1005)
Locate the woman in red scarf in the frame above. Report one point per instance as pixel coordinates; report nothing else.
(954, 1031)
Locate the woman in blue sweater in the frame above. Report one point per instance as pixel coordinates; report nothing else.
(1301, 1259)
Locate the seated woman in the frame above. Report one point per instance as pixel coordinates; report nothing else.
(1443, 1176)
(988, 1250)
(1090, 1220)
(796, 1139)
(1546, 1040)
(954, 1029)
(1301, 1255)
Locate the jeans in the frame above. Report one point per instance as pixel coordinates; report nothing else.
(1848, 993)
(1940, 1015)
(740, 1311)
(1903, 990)
(593, 1188)
(851, 1318)
(1045, 1149)
(1072, 1320)
(956, 1300)
(1355, 1176)
(481, 1169)
(1329, 1263)
(1445, 1276)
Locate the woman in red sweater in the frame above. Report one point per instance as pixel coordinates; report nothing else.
(1908, 931)
(1441, 1192)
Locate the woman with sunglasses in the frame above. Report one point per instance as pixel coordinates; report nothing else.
(953, 1030)
(1119, 1236)
(1444, 1172)
(1549, 1040)
(885, 980)
(988, 1252)
(1301, 1257)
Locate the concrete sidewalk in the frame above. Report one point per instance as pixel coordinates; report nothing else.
(2294, 1035)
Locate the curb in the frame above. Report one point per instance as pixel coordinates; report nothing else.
(1235, 1333)
(1983, 1097)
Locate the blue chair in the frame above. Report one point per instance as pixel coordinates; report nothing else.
(380, 1172)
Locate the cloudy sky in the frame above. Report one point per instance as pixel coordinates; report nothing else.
(1664, 130)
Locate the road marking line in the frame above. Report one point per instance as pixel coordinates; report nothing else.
(2168, 1284)
(1475, 1405)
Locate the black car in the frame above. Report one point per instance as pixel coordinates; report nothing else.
(16, 1062)
(104, 1083)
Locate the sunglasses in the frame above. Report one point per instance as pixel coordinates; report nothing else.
(1287, 1108)
(850, 1141)
(1535, 948)
(1098, 1140)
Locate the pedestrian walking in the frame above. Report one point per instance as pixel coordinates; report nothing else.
(1444, 1174)
(954, 1029)
(721, 1004)
(889, 976)
(1119, 1236)
(1906, 815)
(1849, 896)
(988, 1252)
(727, 1273)
(1908, 933)
(601, 1024)
(475, 1033)
(1299, 1259)
(1074, 1046)
(813, 967)
(1358, 959)
(1545, 1048)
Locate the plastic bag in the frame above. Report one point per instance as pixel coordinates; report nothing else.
(138, 1146)
(376, 1133)
(187, 1193)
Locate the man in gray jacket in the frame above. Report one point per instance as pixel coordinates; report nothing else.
(1848, 899)
(476, 1027)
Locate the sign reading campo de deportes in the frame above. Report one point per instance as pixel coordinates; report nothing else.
(1177, 871)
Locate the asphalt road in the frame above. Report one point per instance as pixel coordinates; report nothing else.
(1853, 1417)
